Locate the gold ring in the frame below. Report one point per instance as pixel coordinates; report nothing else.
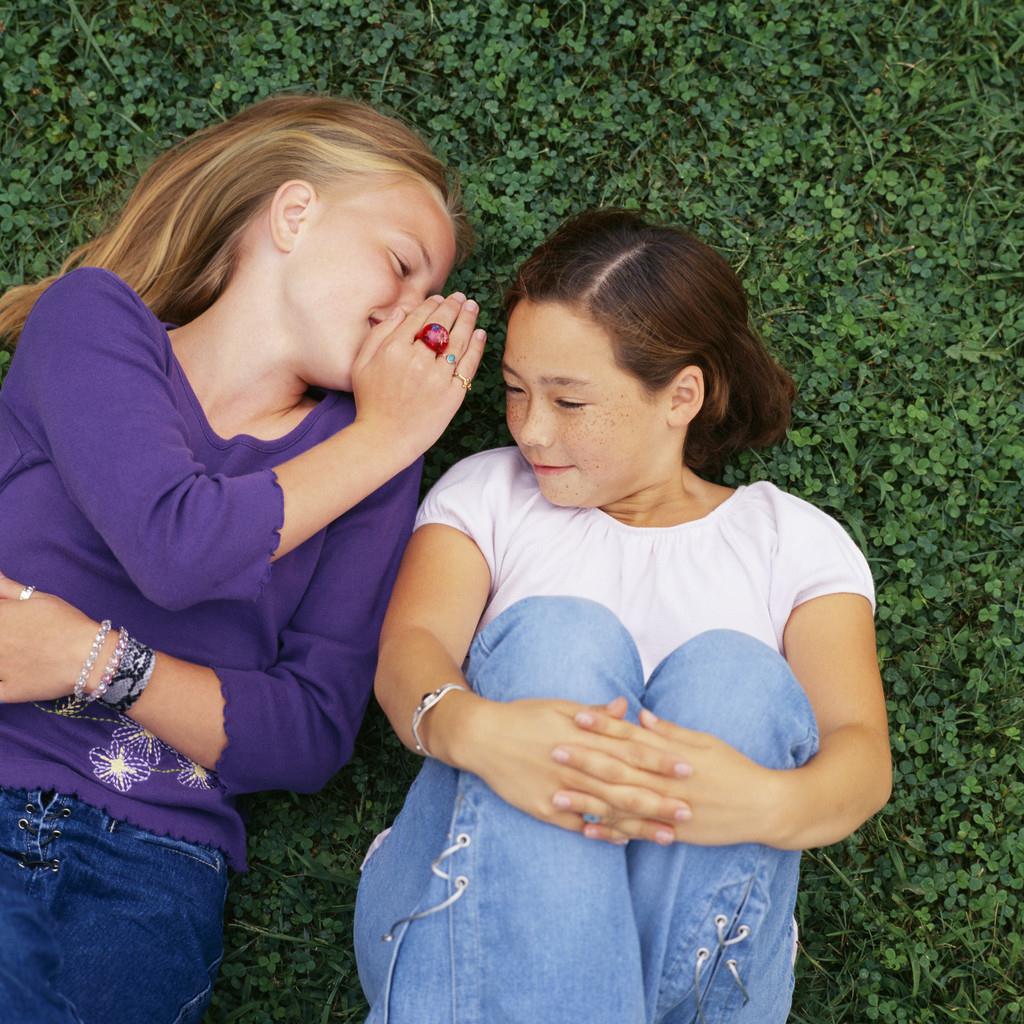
(466, 382)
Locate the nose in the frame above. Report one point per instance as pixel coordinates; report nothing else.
(536, 428)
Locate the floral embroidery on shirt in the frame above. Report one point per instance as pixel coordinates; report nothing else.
(193, 775)
(141, 741)
(134, 755)
(118, 766)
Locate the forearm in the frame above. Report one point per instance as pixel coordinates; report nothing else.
(414, 662)
(183, 706)
(847, 781)
(326, 481)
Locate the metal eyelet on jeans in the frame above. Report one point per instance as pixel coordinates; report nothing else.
(55, 865)
(462, 840)
(30, 808)
(65, 812)
(22, 824)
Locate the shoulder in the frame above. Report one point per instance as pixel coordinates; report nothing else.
(783, 513)
(479, 490)
(95, 308)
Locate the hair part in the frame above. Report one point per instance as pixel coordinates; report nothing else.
(177, 239)
(667, 301)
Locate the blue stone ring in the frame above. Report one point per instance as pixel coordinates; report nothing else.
(450, 358)
(592, 819)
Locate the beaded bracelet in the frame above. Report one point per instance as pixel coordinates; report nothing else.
(111, 667)
(90, 662)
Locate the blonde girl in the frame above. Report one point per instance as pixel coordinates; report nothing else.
(210, 441)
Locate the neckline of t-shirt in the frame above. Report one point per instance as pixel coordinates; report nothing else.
(272, 444)
(718, 512)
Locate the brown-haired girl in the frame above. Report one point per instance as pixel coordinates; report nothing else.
(209, 442)
(589, 639)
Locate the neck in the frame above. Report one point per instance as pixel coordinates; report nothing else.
(679, 497)
(236, 356)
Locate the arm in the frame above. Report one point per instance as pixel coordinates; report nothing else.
(830, 647)
(440, 594)
(123, 453)
(288, 726)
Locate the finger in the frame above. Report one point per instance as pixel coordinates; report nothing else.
(461, 331)
(617, 707)
(672, 732)
(10, 589)
(652, 831)
(445, 314)
(633, 747)
(584, 804)
(606, 833)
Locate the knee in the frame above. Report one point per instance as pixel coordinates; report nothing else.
(741, 690)
(564, 647)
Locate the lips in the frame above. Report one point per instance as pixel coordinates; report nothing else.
(548, 470)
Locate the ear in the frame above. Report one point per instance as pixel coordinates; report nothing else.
(289, 213)
(686, 396)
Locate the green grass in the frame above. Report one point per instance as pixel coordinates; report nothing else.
(861, 164)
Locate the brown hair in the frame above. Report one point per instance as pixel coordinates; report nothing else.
(667, 301)
(177, 238)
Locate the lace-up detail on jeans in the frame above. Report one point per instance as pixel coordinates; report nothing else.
(462, 840)
(45, 834)
(732, 966)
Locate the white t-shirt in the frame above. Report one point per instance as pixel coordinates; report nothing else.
(744, 566)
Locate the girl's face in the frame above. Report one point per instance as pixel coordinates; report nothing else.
(593, 435)
(360, 254)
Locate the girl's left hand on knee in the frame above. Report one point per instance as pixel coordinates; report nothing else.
(661, 782)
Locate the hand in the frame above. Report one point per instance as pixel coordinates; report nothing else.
(43, 642)
(509, 746)
(662, 782)
(403, 391)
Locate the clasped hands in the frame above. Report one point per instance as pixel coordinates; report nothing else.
(558, 761)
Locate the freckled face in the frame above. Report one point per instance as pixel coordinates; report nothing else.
(592, 433)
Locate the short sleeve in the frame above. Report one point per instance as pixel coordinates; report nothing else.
(814, 557)
(475, 497)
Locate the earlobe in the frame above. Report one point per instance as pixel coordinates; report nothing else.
(289, 213)
(686, 396)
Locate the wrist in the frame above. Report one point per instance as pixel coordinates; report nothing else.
(781, 809)
(448, 729)
(390, 446)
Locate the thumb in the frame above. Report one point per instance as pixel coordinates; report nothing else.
(379, 333)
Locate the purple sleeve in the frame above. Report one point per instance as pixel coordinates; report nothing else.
(91, 383)
(293, 726)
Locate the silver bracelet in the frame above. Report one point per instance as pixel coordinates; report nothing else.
(428, 701)
(90, 661)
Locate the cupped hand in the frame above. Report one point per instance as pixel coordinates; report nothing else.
(662, 782)
(43, 642)
(403, 390)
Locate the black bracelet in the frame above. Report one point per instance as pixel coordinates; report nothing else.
(132, 676)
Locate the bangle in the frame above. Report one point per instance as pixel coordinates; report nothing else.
(426, 703)
(90, 661)
(131, 676)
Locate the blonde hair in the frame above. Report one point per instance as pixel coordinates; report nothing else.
(177, 238)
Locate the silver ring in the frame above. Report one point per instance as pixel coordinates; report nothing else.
(592, 819)
(26, 593)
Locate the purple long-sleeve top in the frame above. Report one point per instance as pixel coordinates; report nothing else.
(116, 495)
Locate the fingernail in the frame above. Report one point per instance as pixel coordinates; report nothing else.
(647, 717)
(471, 306)
(584, 718)
(683, 814)
(437, 298)
(664, 837)
(682, 769)
(458, 296)
(560, 754)
(620, 842)
(561, 801)
(480, 335)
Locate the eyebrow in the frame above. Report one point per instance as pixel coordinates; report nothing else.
(558, 382)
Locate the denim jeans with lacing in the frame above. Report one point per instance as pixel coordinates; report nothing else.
(102, 922)
(473, 912)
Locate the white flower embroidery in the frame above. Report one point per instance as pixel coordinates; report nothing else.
(118, 766)
(193, 775)
(141, 742)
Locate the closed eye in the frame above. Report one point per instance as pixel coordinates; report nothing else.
(565, 404)
(511, 389)
(403, 268)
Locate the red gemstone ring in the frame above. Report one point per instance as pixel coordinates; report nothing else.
(434, 336)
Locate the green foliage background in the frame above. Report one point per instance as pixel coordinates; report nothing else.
(860, 163)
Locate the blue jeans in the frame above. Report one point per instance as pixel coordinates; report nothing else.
(542, 924)
(101, 922)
